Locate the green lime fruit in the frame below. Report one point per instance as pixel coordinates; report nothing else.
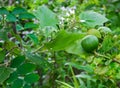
(105, 30)
(90, 43)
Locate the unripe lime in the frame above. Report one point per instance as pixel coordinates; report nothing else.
(90, 43)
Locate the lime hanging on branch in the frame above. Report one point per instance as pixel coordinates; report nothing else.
(90, 43)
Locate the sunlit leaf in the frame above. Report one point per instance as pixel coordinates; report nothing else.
(101, 70)
(94, 32)
(92, 19)
(46, 17)
(63, 40)
(76, 48)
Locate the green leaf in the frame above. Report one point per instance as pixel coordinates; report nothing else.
(63, 40)
(31, 78)
(48, 31)
(11, 45)
(5, 73)
(82, 83)
(27, 86)
(2, 55)
(46, 17)
(105, 30)
(106, 44)
(26, 68)
(19, 27)
(30, 25)
(101, 70)
(3, 11)
(3, 35)
(18, 10)
(16, 62)
(76, 48)
(26, 16)
(12, 77)
(75, 81)
(117, 76)
(37, 59)
(92, 19)
(11, 18)
(34, 38)
(18, 83)
(64, 84)
(80, 67)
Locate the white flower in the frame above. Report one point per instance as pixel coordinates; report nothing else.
(63, 8)
(67, 14)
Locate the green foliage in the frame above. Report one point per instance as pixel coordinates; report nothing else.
(5, 73)
(64, 37)
(2, 56)
(41, 44)
(31, 78)
(92, 19)
(46, 17)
